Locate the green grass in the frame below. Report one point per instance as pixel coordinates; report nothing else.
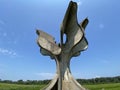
(113, 86)
(4, 86)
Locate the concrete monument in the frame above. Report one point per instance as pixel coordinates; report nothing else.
(64, 51)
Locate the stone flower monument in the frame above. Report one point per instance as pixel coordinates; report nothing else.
(64, 51)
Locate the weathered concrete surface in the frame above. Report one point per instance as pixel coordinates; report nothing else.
(63, 52)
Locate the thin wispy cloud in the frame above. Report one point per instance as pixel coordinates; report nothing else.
(45, 75)
(103, 61)
(97, 76)
(9, 37)
(101, 26)
(15, 42)
(85, 75)
(79, 3)
(7, 52)
(2, 70)
(4, 34)
(12, 41)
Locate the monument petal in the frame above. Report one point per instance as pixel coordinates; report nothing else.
(71, 28)
(46, 41)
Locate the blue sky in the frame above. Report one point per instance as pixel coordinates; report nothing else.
(19, 54)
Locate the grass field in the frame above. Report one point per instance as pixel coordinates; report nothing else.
(113, 86)
(4, 86)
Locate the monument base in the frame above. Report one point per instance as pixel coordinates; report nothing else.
(67, 84)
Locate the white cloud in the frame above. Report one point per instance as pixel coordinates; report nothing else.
(79, 3)
(97, 76)
(7, 52)
(45, 75)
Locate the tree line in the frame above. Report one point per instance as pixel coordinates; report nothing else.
(27, 82)
(101, 80)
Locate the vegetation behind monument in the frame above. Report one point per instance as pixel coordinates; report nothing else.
(101, 80)
(106, 83)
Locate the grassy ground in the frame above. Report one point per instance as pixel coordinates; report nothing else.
(4, 86)
(113, 86)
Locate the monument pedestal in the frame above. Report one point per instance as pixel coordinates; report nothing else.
(64, 82)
